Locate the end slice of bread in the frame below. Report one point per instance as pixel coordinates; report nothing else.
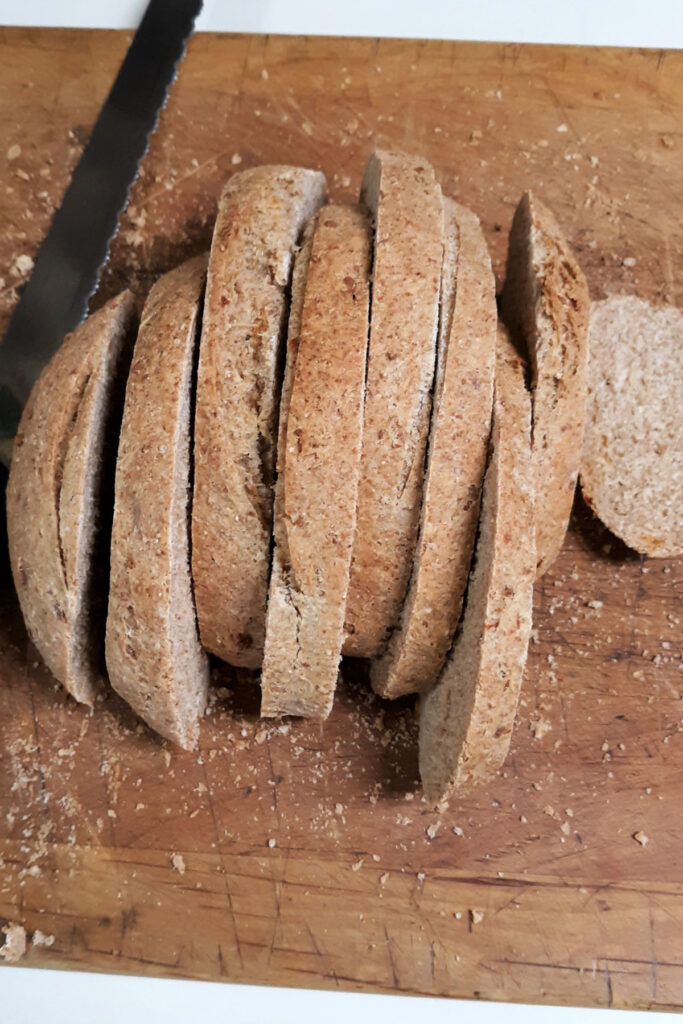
(404, 197)
(632, 463)
(466, 720)
(261, 215)
(458, 440)
(154, 657)
(321, 423)
(59, 493)
(545, 304)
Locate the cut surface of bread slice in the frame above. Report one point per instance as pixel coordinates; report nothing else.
(261, 215)
(466, 720)
(321, 424)
(60, 491)
(632, 463)
(154, 658)
(404, 197)
(545, 304)
(458, 440)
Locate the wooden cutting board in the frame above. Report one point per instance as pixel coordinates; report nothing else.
(304, 856)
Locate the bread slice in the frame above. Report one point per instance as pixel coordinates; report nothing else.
(545, 304)
(321, 426)
(458, 440)
(466, 720)
(632, 464)
(405, 199)
(154, 657)
(260, 219)
(59, 495)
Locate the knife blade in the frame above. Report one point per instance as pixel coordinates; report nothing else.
(69, 261)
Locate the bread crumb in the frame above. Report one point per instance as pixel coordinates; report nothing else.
(629, 261)
(639, 837)
(167, 758)
(539, 728)
(236, 159)
(421, 876)
(476, 916)
(358, 865)
(13, 152)
(457, 915)
(272, 843)
(41, 939)
(458, 831)
(22, 266)
(432, 830)
(264, 74)
(562, 128)
(383, 878)
(565, 827)
(14, 946)
(178, 863)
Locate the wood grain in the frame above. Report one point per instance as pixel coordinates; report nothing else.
(302, 855)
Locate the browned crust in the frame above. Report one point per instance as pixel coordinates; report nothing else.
(459, 433)
(319, 465)
(154, 657)
(260, 218)
(466, 720)
(545, 304)
(53, 495)
(404, 196)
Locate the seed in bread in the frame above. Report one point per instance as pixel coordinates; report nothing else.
(456, 459)
(321, 424)
(404, 197)
(154, 658)
(545, 304)
(261, 216)
(59, 496)
(632, 463)
(466, 720)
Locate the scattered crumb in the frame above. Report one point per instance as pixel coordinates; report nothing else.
(22, 265)
(539, 728)
(476, 916)
(458, 831)
(272, 843)
(639, 837)
(565, 827)
(13, 152)
(236, 159)
(562, 128)
(421, 876)
(41, 939)
(432, 830)
(358, 865)
(15, 943)
(457, 915)
(264, 74)
(178, 863)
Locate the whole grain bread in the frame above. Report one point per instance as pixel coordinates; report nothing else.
(632, 463)
(466, 720)
(321, 425)
(154, 658)
(261, 216)
(60, 495)
(404, 197)
(545, 304)
(458, 440)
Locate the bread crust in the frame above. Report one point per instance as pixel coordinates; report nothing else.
(545, 304)
(466, 720)
(260, 218)
(458, 441)
(58, 481)
(404, 197)
(154, 658)
(321, 425)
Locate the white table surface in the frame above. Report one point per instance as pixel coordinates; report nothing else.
(28, 996)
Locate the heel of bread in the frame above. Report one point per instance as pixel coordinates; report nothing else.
(327, 447)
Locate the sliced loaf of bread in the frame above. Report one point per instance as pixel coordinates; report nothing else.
(59, 495)
(154, 658)
(402, 194)
(261, 215)
(321, 423)
(545, 304)
(632, 463)
(456, 458)
(466, 720)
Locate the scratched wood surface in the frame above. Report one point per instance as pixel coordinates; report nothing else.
(303, 856)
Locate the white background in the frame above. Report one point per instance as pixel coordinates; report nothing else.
(28, 996)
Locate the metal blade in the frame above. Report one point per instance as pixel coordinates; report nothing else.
(70, 258)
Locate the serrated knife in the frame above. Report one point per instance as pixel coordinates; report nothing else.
(69, 261)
